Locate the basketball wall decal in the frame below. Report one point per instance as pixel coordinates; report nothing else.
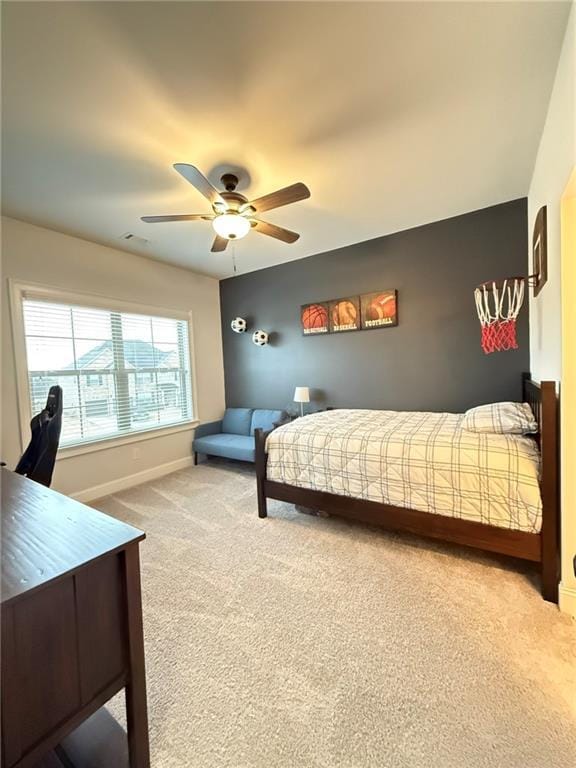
(314, 318)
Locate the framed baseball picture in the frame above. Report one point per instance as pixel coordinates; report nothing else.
(379, 309)
(314, 318)
(345, 314)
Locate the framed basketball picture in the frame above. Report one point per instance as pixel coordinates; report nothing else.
(379, 309)
(314, 318)
(345, 314)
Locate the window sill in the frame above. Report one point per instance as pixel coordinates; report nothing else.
(115, 442)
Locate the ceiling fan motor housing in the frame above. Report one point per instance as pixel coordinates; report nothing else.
(234, 200)
(230, 181)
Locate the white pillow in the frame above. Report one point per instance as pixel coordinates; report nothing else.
(501, 418)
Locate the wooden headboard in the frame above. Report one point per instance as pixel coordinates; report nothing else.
(543, 400)
(534, 394)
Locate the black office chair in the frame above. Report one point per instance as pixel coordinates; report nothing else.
(38, 459)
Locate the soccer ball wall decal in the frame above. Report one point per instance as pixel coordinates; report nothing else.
(260, 338)
(238, 325)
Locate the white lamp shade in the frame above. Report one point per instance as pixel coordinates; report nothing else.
(301, 395)
(232, 226)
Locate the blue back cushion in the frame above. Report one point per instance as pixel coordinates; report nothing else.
(237, 421)
(262, 419)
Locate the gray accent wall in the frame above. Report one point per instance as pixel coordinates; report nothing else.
(431, 361)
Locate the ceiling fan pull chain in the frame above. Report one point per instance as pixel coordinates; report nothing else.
(234, 257)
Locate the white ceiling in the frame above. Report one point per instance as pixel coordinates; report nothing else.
(394, 114)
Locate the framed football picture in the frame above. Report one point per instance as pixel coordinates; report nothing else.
(379, 309)
(314, 318)
(345, 314)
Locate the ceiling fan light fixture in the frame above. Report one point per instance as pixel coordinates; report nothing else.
(232, 226)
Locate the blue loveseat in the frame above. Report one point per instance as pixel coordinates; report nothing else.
(233, 437)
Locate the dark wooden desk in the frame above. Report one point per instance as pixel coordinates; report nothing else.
(71, 621)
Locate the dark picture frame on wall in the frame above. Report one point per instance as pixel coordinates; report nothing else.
(314, 318)
(345, 314)
(540, 251)
(379, 309)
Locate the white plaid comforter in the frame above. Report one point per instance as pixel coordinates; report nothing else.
(423, 461)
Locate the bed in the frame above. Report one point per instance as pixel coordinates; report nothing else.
(423, 473)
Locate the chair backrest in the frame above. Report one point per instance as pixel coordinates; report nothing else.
(237, 421)
(38, 459)
(263, 419)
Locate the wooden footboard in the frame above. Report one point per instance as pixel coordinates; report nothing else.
(544, 403)
(537, 547)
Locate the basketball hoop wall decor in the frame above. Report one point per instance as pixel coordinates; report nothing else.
(498, 304)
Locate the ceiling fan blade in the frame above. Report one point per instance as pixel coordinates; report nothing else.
(198, 180)
(281, 197)
(178, 217)
(265, 228)
(219, 244)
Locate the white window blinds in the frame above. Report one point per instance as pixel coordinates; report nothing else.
(120, 373)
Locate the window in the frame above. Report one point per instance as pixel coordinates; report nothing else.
(120, 372)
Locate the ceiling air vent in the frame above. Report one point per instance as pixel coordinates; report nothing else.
(134, 239)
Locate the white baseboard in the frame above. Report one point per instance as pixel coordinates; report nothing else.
(97, 491)
(567, 600)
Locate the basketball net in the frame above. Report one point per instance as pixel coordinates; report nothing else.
(498, 305)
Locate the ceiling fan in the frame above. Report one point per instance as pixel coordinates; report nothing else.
(233, 214)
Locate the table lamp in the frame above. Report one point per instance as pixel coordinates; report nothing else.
(301, 395)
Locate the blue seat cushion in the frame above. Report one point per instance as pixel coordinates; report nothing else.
(237, 421)
(262, 419)
(239, 447)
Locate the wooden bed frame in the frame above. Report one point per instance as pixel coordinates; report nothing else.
(540, 547)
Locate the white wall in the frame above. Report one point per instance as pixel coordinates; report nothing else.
(568, 419)
(555, 161)
(35, 254)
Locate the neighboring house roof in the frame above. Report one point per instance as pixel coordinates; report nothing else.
(137, 354)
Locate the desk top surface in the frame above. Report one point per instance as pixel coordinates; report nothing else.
(46, 535)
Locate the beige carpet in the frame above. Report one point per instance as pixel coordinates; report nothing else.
(299, 641)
